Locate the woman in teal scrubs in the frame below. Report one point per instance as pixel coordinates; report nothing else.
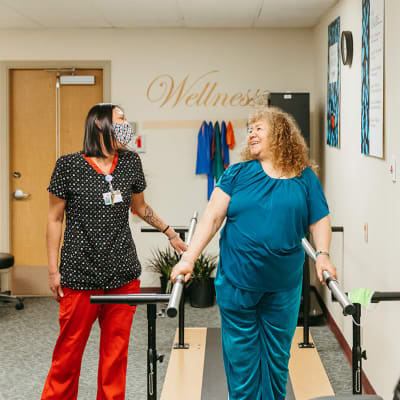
(270, 201)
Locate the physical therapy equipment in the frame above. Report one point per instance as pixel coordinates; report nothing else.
(175, 302)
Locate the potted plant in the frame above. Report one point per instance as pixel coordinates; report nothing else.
(162, 262)
(201, 287)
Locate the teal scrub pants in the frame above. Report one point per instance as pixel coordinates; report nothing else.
(257, 330)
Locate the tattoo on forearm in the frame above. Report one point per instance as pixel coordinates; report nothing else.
(150, 218)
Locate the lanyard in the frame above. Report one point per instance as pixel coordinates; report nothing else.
(108, 179)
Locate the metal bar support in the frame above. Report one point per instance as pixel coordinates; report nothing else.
(179, 290)
(151, 352)
(357, 353)
(306, 307)
(181, 324)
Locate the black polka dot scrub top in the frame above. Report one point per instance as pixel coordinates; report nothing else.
(98, 250)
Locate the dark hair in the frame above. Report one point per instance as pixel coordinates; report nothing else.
(102, 114)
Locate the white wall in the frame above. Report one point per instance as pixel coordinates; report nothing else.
(359, 189)
(274, 59)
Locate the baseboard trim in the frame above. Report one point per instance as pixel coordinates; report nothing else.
(367, 387)
(150, 289)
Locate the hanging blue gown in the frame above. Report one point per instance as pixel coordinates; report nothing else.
(204, 162)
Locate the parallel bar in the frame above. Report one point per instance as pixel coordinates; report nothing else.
(348, 307)
(178, 229)
(131, 299)
(177, 289)
(192, 227)
(175, 297)
(306, 298)
(385, 296)
(172, 299)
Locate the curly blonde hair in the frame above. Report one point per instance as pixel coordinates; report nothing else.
(286, 145)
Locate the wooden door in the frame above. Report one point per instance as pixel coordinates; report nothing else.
(75, 102)
(33, 153)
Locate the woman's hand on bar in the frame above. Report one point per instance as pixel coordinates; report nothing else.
(178, 244)
(184, 267)
(323, 264)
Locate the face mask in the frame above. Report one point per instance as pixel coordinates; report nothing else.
(361, 296)
(123, 133)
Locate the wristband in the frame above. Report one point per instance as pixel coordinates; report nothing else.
(165, 230)
(325, 253)
(173, 236)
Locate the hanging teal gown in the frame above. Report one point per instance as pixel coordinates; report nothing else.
(218, 162)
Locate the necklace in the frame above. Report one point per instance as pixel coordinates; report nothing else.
(104, 167)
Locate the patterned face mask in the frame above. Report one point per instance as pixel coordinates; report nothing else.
(123, 133)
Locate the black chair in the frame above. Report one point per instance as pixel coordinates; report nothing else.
(397, 391)
(6, 262)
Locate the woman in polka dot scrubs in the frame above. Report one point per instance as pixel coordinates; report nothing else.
(94, 189)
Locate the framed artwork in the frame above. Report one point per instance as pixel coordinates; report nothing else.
(373, 16)
(333, 117)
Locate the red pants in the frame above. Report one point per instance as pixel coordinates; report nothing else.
(76, 318)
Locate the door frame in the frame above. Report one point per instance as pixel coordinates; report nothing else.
(5, 68)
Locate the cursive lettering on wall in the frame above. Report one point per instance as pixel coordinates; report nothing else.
(203, 91)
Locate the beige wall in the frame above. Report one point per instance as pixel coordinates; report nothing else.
(274, 59)
(359, 189)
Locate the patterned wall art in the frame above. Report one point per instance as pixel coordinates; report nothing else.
(372, 77)
(333, 83)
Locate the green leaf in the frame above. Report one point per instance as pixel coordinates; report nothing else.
(204, 266)
(163, 260)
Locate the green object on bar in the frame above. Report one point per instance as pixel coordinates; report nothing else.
(361, 296)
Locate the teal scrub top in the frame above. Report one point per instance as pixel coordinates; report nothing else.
(260, 244)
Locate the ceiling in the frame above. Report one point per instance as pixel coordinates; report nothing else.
(56, 14)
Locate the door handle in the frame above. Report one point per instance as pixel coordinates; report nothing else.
(20, 195)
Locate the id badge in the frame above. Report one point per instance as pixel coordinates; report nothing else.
(111, 198)
(107, 198)
(117, 196)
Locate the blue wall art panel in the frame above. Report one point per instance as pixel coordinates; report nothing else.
(365, 78)
(333, 83)
(372, 64)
